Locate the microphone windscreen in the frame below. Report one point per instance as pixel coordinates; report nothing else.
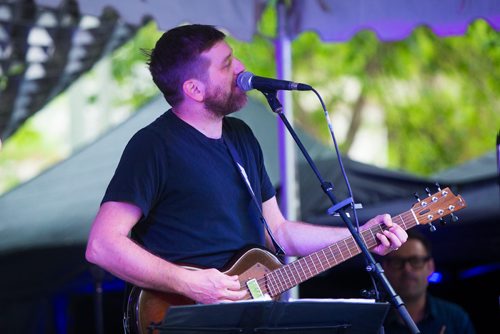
(244, 81)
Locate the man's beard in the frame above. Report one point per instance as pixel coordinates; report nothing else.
(222, 104)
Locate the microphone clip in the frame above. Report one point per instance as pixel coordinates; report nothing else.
(272, 98)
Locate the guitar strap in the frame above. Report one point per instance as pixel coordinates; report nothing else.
(241, 170)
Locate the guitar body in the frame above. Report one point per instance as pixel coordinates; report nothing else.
(146, 307)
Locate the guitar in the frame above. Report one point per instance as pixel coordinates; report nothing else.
(262, 274)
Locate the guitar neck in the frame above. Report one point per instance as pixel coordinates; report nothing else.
(292, 274)
(432, 208)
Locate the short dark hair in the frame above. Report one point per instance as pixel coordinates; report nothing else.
(176, 58)
(417, 235)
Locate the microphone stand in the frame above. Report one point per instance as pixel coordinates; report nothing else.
(339, 207)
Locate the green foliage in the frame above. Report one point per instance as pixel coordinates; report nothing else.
(26, 147)
(128, 59)
(130, 54)
(440, 96)
(451, 114)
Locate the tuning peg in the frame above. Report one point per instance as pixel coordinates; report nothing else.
(442, 221)
(416, 196)
(454, 218)
(428, 191)
(432, 228)
(438, 186)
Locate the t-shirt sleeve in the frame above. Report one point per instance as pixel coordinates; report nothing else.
(140, 173)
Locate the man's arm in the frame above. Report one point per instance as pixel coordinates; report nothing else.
(110, 247)
(300, 239)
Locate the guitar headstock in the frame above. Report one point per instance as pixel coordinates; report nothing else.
(436, 206)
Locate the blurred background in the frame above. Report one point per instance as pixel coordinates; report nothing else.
(412, 91)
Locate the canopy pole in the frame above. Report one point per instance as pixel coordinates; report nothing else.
(289, 203)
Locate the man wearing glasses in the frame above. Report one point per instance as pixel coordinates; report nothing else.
(408, 269)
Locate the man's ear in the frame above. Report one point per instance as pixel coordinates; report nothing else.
(194, 89)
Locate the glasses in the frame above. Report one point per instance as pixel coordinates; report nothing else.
(416, 262)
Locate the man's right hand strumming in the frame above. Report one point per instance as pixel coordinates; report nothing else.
(210, 286)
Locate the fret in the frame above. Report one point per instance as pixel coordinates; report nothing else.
(293, 266)
(335, 255)
(291, 278)
(271, 283)
(326, 257)
(403, 224)
(348, 243)
(279, 271)
(296, 274)
(345, 251)
(319, 260)
(286, 277)
(373, 238)
(365, 235)
(276, 283)
(355, 249)
(310, 264)
(301, 267)
(374, 230)
(331, 258)
(345, 242)
(340, 252)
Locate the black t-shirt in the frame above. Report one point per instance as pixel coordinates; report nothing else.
(196, 208)
(441, 316)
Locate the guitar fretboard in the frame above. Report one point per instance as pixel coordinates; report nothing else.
(292, 274)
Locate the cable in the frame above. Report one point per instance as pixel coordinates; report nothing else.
(339, 157)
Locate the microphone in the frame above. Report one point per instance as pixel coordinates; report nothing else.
(247, 81)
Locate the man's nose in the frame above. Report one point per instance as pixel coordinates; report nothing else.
(239, 67)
